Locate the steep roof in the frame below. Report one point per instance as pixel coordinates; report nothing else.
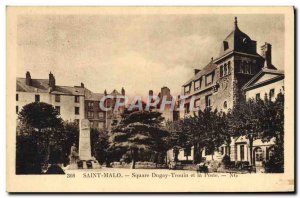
(238, 41)
(89, 95)
(210, 67)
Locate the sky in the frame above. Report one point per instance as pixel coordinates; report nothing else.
(137, 52)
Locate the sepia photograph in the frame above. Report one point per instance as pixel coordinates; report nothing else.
(150, 99)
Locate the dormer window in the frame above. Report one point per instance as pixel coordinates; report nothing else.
(208, 79)
(197, 84)
(187, 89)
(225, 44)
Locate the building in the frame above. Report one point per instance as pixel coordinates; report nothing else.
(237, 73)
(93, 112)
(219, 83)
(73, 103)
(267, 83)
(168, 112)
(67, 100)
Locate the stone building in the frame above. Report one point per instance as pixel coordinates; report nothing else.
(69, 101)
(168, 112)
(219, 83)
(237, 72)
(73, 103)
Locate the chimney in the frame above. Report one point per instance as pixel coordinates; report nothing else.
(105, 92)
(165, 91)
(123, 91)
(28, 78)
(150, 92)
(266, 53)
(51, 80)
(82, 85)
(196, 71)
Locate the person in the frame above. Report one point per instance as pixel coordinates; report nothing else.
(73, 154)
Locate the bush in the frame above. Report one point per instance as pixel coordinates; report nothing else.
(226, 161)
(242, 164)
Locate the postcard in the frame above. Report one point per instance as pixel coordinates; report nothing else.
(150, 99)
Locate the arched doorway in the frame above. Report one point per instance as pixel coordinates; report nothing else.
(257, 156)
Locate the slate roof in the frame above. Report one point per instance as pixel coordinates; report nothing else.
(210, 67)
(89, 95)
(42, 86)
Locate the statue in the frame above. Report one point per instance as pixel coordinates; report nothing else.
(73, 154)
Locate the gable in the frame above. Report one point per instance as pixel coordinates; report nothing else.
(265, 77)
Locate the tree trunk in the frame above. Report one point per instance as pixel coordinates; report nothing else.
(134, 156)
(197, 156)
(251, 150)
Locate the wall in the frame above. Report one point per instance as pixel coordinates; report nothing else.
(67, 103)
(277, 86)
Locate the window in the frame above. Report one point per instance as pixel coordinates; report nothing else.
(100, 125)
(197, 102)
(90, 114)
(100, 115)
(37, 98)
(272, 93)
(208, 101)
(257, 97)
(258, 154)
(225, 44)
(250, 68)
(17, 97)
(243, 67)
(242, 152)
(90, 105)
(225, 105)
(187, 108)
(225, 69)
(92, 124)
(76, 110)
(208, 79)
(197, 84)
(221, 71)
(57, 98)
(187, 89)
(57, 108)
(17, 109)
(229, 68)
(77, 99)
(76, 121)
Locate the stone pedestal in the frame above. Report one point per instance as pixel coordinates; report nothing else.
(84, 140)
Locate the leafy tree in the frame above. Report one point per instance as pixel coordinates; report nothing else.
(245, 120)
(40, 115)
(139, 130)
(177, 138)
(41, 123)
(272, 126)
(204, 130)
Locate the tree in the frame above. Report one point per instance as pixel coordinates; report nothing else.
(138, 130)
(41, 123)
(40, 115)
(245, 120)
(204, 130)
(177, 138)
(272, 126)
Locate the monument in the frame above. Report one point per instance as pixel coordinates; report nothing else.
(83, 159)
(84, 140)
